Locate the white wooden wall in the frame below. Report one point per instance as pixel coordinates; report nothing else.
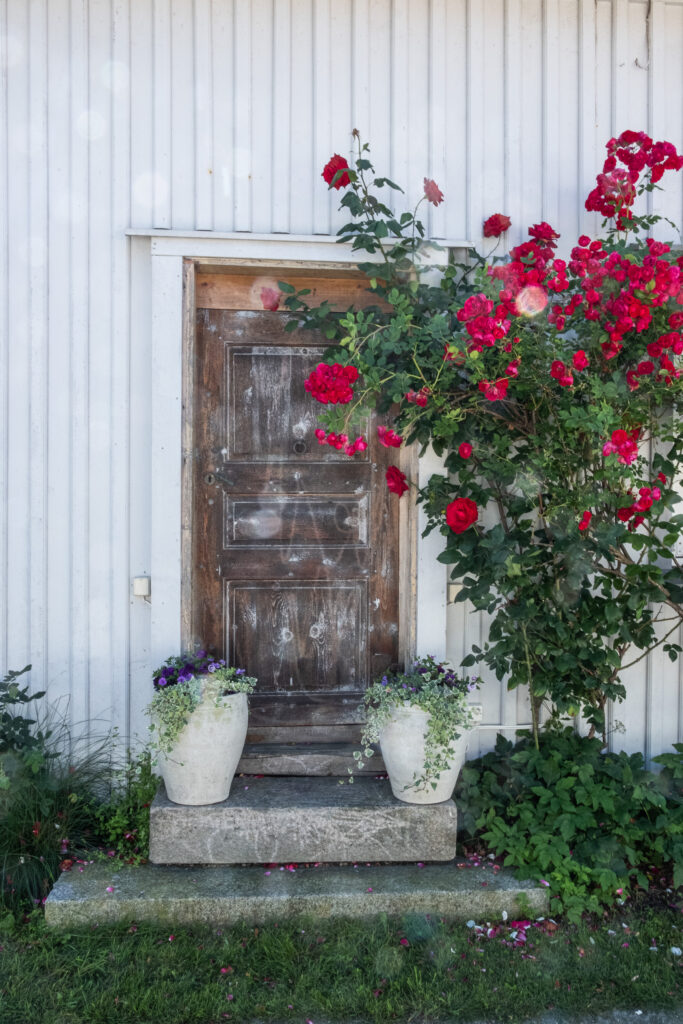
(218, 115)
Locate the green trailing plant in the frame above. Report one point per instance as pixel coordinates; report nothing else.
(589, 825)
(181, 685)
(122, 821)
(548, 387)
(433, 688)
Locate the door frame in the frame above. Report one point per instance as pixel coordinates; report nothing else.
(176, 257)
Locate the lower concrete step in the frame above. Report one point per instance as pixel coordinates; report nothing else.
(105, 894)
(306, 759)
(282, 820)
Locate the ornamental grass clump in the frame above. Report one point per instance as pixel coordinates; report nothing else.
(550, 387)
(182, 684)
(433, 688)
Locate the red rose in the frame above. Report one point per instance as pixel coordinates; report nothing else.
(432, 192)
(494, 390)
(389, 438)
(580, 360)
(396, 481)
(461, 513)
(465, 450)
(496, 224)
(334, 164)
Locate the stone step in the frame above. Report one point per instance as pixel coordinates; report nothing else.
(284, 820)
(107, 894)
(306, 759)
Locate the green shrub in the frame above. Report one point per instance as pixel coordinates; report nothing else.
(123, 821)
(590, 825)
(19, 740)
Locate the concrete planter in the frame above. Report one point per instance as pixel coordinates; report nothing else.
(402, 741)
(201, 766)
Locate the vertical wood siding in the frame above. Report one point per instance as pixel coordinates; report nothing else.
(218, 115)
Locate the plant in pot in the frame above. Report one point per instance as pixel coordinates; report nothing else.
(421, 719)
(199, 718)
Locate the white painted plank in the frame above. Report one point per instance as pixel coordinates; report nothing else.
(477, 200)
(454, 182)
(589, 156)
(528, 202)
(514, 142)
(59, 553)
(166, 461)
(431, 575)
(303, 174)
(142, 135)
(325, 142)
(416, 142)
(37, 259)
(141, 666)
(183, 105)
(243, 99)
(488, 194)
(162, 118)
(603, 97)
(119, 93)
(282, 116)
(6, 48)
(203, 116)
(637, 62)
(222, 101)
(18, 624)
(437, 104)
(339, 110)
(621, 99)
(569, 199)
(376, 122)
(262, 127)
(79, 296)
(401, 54)
(100, 428)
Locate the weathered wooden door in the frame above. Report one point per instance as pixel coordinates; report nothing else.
(294, 545)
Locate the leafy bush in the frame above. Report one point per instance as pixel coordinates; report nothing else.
(588, 824)
(18, 738)
(123, 821)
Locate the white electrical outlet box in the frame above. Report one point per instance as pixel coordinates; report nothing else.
(142, 586)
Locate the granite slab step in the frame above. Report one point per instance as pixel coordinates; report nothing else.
(295, 819)
(107, 894)
(306, 759)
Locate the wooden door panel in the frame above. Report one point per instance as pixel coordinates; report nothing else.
(295, 546)
(295, 521)
(271, 416)
(315, 631)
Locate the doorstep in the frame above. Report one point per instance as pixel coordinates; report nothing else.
(106, 894)
(306, 759)
(302, 820)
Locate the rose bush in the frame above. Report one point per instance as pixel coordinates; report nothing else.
(550, 387)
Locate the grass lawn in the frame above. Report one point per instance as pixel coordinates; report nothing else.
(312, 970)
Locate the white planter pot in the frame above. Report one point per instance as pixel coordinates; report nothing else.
(402, 742)
(201, 766)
